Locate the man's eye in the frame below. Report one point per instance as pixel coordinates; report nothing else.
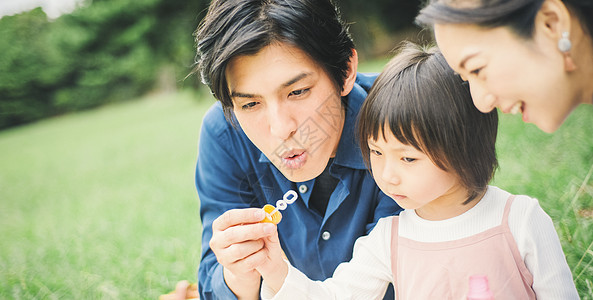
(248, 105)
(298, 92)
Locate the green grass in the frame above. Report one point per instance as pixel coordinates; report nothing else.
(102, 205)
(557, 169)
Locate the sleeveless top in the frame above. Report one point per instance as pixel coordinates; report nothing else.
(441, 270)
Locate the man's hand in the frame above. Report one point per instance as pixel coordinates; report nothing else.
(183, 290)
(274, 269)
(237, 242)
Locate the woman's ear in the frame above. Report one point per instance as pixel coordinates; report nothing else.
(351, 76)
(554, 21)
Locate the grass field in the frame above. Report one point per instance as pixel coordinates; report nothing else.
(101, 204)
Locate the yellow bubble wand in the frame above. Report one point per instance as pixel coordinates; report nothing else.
(273, 214)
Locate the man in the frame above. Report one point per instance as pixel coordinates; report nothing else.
(284, 72)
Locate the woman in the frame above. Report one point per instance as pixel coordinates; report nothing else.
(533, 57)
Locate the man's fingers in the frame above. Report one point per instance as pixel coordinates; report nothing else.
(236, 217)
(242, 250)
(249, 263)
(239, 234)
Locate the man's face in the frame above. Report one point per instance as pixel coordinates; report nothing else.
(289, 108)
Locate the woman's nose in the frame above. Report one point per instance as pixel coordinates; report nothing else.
(483, 100)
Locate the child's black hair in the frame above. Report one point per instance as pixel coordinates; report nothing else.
(423, 103)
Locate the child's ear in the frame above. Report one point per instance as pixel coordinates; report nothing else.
(351, 76)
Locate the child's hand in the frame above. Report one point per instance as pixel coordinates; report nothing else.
(274, 269)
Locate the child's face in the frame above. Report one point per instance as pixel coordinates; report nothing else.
(410, 178)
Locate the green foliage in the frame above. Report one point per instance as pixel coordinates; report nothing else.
(108, 51)
(557, 169)
(111, 50)
(376, 25)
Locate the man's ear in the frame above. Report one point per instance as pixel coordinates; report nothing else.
(351, 77)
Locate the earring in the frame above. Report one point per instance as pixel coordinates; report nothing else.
(564, 43)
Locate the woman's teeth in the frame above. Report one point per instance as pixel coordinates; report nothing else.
(516, 108)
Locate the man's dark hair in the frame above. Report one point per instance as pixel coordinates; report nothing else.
(423, 103)
(243, 27)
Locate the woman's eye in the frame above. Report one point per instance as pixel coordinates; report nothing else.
(248, 105)
(298, 92)
(476, 72)
(408, 159)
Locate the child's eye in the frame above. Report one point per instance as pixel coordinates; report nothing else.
(298, 93)
(248, 106)
(408, 159)
(375, 152)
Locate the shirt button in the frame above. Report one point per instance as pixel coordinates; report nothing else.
(326, 235)
(303, 188)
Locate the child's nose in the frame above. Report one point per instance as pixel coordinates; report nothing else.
(391, 176)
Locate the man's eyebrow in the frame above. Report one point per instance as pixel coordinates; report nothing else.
(295, 79)
(284, 85)
(243, 95)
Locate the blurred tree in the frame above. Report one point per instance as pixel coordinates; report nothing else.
(373, 24)
(112, 50)
(108, 51)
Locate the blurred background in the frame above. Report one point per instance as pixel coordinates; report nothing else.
(99, 124)
(60, 56)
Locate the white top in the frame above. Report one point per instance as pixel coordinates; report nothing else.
(368, 274)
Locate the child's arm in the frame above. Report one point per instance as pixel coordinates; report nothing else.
(366, 276)
(541, 250)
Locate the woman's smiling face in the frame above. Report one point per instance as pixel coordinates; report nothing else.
(289, 108)
(515, 74)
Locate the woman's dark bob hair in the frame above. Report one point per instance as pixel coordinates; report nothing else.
(243, 27)
(518, 15)
(423, 103)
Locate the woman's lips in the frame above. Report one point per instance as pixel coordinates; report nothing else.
(294, 159)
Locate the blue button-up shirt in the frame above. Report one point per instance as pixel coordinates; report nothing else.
(233, 173)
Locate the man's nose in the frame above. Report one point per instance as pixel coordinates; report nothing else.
(283, 123)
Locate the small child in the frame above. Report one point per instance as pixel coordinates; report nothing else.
(433, 152)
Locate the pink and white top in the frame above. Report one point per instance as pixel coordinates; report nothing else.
(537, 255)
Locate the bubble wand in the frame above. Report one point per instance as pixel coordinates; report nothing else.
(273, 214)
